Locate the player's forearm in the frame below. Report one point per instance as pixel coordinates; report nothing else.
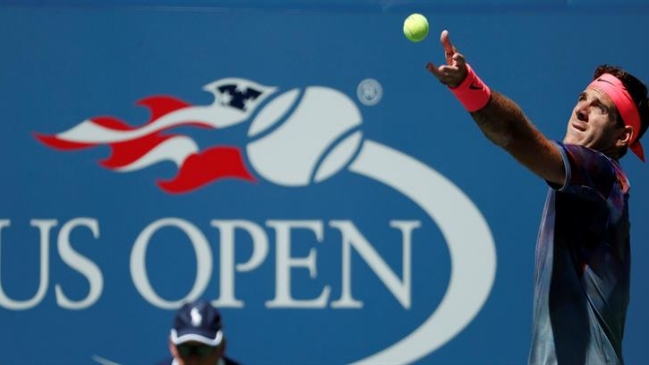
(499, 118)
(503, 122)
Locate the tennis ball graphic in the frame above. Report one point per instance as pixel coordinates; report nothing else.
(301, 139)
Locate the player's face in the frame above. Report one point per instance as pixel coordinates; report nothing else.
(594, 122)
(196, 353)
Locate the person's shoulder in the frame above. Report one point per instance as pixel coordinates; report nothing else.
(584, 151)
(588, 158)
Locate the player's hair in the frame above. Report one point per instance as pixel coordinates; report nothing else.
(636, 88)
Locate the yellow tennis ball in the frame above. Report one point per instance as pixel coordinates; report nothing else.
(415, 27)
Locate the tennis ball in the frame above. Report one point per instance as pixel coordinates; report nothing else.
(415, 27)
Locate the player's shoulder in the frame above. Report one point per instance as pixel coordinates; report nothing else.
(588, 158)
(579, 149)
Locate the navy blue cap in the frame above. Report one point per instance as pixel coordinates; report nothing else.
(197, 321)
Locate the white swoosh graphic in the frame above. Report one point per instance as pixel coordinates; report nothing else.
(103, 361)
(470, 243)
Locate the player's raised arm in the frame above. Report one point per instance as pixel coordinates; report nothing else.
(499, 118)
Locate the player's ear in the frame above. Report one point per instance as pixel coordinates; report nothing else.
(624, 136)
(172, 349)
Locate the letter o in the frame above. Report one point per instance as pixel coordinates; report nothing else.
(203, 262)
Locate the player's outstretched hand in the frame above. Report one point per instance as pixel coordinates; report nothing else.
(454, 71)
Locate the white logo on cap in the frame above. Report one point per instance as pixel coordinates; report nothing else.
(196, 317)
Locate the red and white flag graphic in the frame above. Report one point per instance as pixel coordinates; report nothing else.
(135, 148)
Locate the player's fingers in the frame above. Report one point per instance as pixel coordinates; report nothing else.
(447, 75)
(459, 60)
(433, 69)
(449, 50)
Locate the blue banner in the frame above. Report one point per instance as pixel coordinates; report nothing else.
(296, 166)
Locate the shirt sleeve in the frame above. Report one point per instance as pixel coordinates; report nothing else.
(589, 173)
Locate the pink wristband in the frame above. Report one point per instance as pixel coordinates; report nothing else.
(472, 92)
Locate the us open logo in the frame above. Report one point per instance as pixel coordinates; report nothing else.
(298, 138)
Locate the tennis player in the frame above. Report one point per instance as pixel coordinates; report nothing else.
(583, 257)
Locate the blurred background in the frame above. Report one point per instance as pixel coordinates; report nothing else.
(328, 188)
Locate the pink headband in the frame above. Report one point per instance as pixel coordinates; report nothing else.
(613, 87)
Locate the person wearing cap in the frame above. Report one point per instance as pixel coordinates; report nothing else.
(583, 257)
(197, 336)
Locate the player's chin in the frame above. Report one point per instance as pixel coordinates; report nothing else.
(574, 136)
(570, 139)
